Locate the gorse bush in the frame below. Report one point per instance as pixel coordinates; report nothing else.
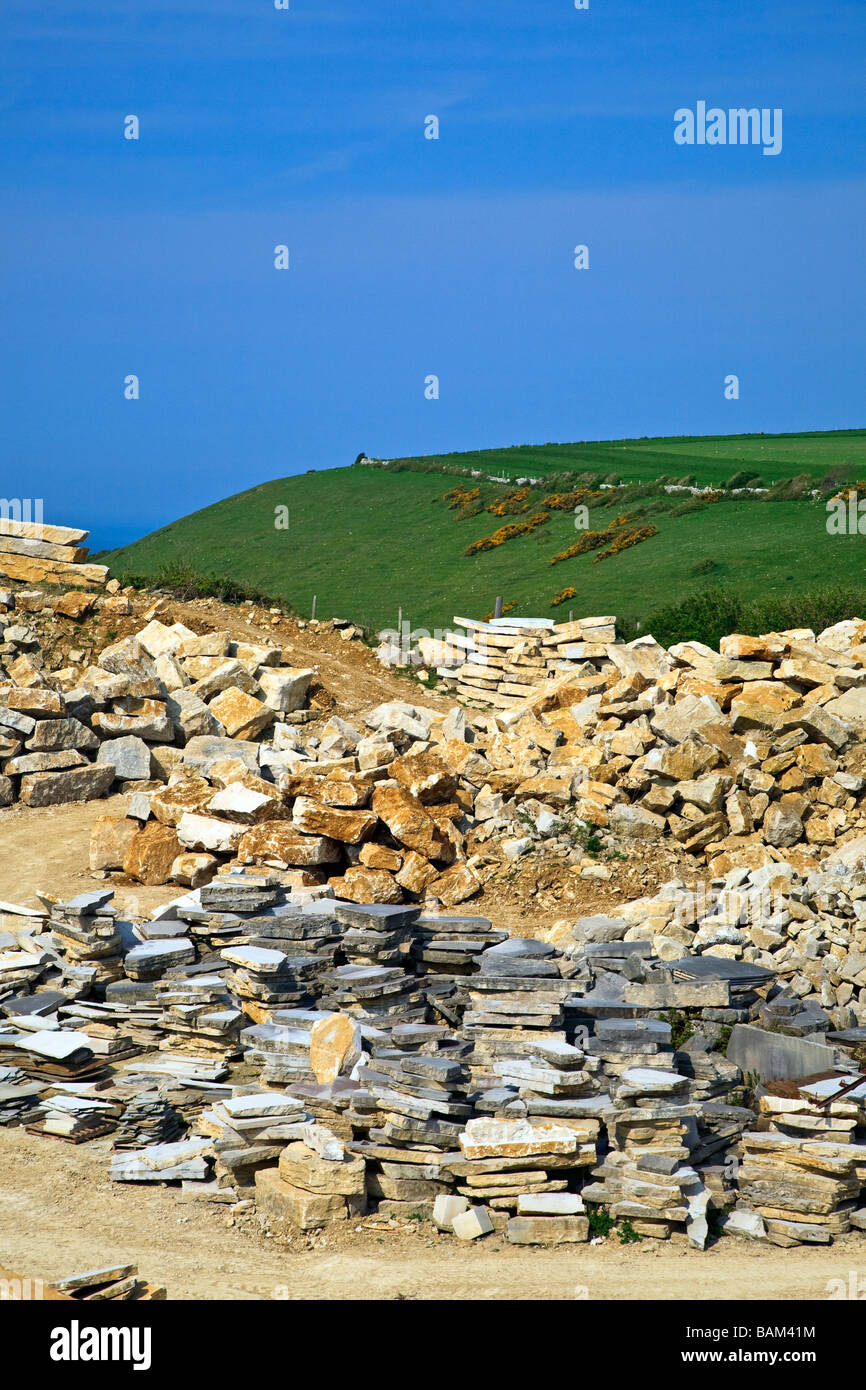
(745, 477)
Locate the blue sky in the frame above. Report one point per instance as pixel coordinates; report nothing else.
(410, 256)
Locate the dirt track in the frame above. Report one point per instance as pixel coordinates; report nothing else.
(59, 1213)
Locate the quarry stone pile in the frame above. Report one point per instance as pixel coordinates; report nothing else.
(318, 1026)
(737, 758)
(545, 1091)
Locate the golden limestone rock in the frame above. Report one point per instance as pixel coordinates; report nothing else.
(350, 827)
(360, 885)
(409, 822)
(425, 775)
(281, 840)
(335, 1046)
(151, 854)
(110, 840)
(374, 856)
(168, 804)
(242, 715)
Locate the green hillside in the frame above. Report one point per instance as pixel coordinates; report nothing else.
(369, 539)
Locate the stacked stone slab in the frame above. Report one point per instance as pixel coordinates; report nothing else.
(249, 1130)
(148, 1119)
(421, 1104)
(514, 1002)
(198, 1016)
(449, 948)
(266, 980)
(806, 1190)
(645, 1177)
(504, 661)
(34, 552)
(501, 1160)
(85, 931)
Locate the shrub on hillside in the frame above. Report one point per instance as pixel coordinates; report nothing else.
(714, 613)
(790, 489)
(185, 582)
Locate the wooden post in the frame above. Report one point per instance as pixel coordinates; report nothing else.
(497, 609)
(313, 617)
(571, 615)
(400, 624)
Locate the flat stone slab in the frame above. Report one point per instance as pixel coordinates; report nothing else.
(547, 1230)
(777, 1056)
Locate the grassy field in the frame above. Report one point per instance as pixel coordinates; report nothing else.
(711, 458)
(369, 540)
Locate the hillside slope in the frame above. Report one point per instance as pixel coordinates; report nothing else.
(369, 540)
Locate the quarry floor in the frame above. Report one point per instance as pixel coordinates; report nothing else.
(59, 1213)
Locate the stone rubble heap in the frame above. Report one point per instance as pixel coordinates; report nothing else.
(738, 758)
(806, 926)
(744, 752)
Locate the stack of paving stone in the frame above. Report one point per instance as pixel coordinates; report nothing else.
(646, 1178)
(309, 929)
(136, 1023)
(198, 1016)
(36, 552)
(303, 1046)
(52, 1054)
(232, 908)
(422, 1104)
(179, 1068)
(551, 1082)
(23, 962)
(620, 1043)
(19, 1097)
(720, 1126)
(246, 894)
(504, 661)
(113, 1284)
(501, 1160)
(744, 980)
(183, 1160)
(336, 1041)
(375, 933)
(375, 994)
(85, 931)
(280, 1049)
(448, 947)
(517, 994)
(806, 1190)
(312, 1186)
(266, 980)
(548, 1218)
(148, 1118)
(832, 1108)
(152, 959)
(77, 1118)
(249, 1131)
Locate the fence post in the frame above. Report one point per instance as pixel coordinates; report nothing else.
(497, 608)
(313, 615)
